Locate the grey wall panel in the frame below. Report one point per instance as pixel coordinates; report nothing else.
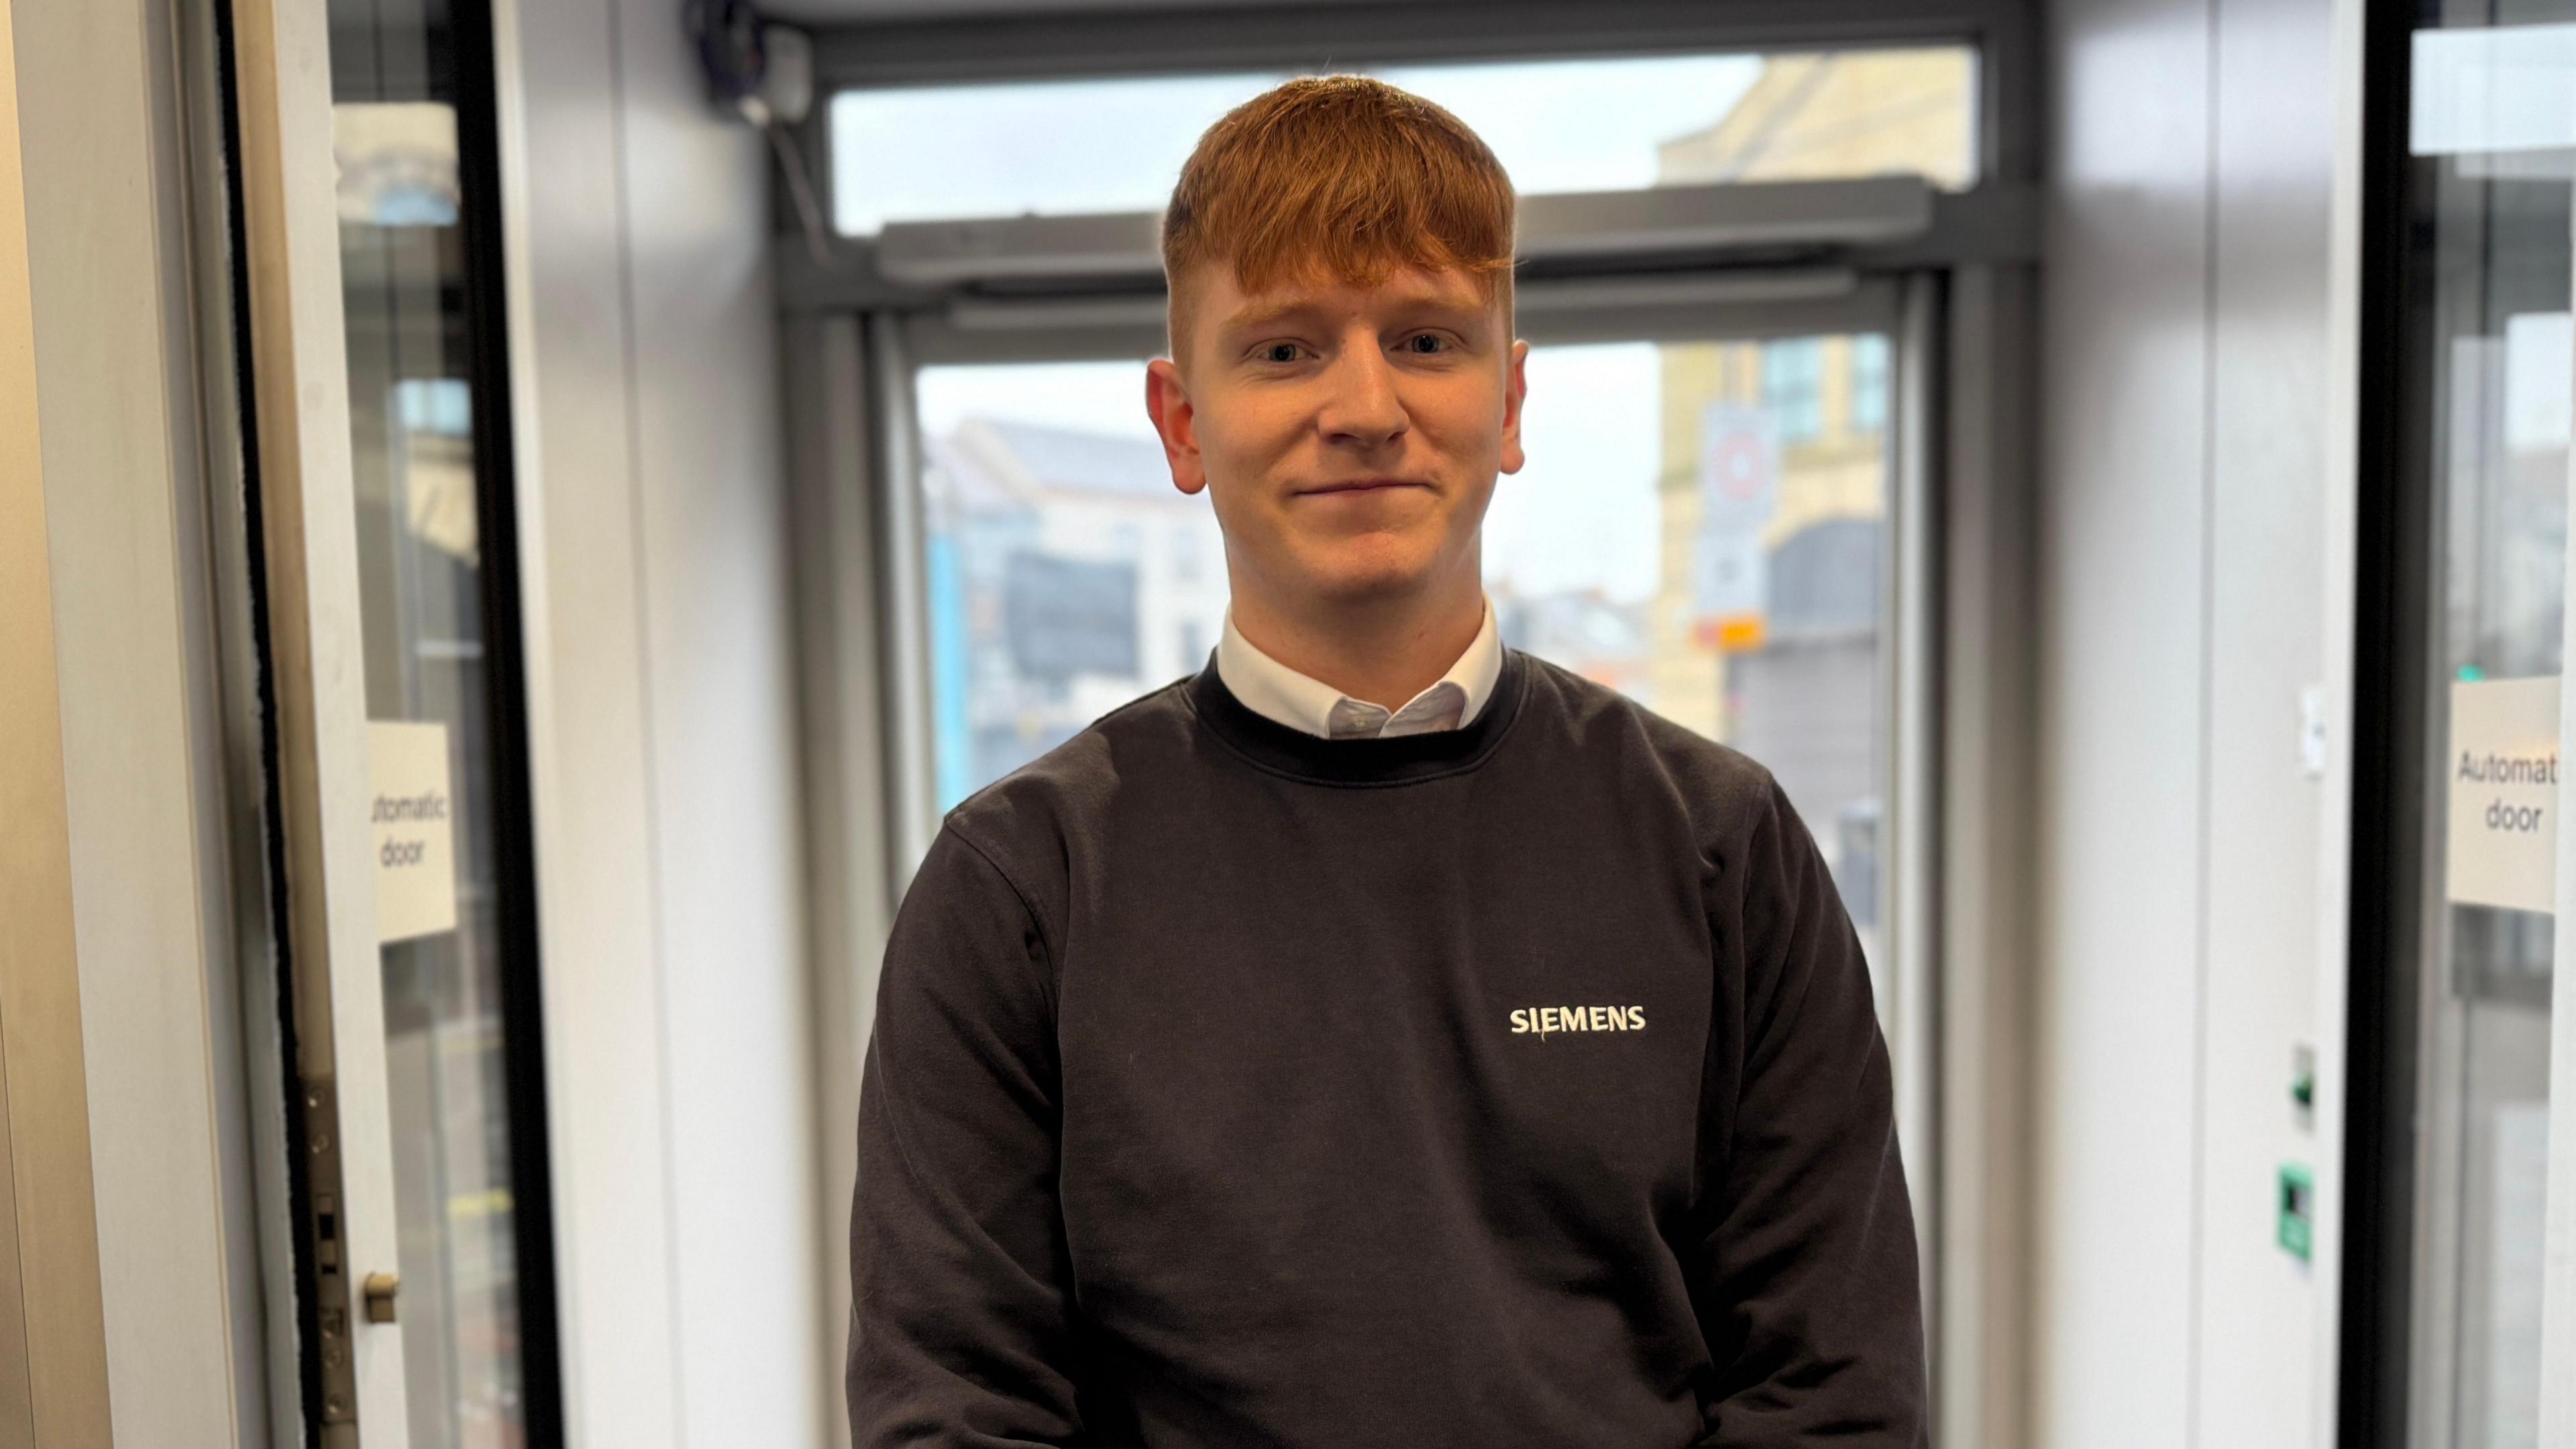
(601, 960)
(2268, 357)
(719, 642)
(2124, 518)
(2183, 611)
(671, 875)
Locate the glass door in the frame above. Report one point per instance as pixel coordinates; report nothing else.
(384, 579)
(411, 123)
(2456, 1152)
(1726, 509)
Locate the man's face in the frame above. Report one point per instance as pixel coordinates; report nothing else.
(1348, 435)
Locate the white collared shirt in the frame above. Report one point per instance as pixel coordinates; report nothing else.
(1301, 702)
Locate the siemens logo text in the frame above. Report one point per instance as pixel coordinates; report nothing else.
(1549, 1020)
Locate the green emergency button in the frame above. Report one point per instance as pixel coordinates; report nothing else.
(2298, 1209)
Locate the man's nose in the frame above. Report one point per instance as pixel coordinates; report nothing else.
(1363, 407)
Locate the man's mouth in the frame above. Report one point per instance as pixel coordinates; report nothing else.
(1360, 485)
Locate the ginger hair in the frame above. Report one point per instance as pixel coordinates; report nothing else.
(1337, 178)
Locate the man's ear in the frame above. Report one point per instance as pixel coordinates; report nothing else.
(1167, 401)
(1515, 392)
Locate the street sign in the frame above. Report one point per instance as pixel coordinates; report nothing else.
(1739, 477)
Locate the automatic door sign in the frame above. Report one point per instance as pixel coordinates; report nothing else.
(2503, 769)
(415, 829)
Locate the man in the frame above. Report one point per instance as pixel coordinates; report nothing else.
(1382, 1037)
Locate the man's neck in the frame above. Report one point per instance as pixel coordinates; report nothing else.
(1384, 650)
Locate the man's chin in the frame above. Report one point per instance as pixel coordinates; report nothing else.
(1354, 575)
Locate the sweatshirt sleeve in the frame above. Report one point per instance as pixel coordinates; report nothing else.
(961, 1327)
(1811, 1305)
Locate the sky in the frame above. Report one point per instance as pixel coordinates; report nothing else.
(1582, 514)
(1060, 147)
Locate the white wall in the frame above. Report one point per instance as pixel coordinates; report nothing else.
(2184, 478)
(663, 701)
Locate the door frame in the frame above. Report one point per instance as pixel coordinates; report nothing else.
(53, 1382)
(340, 1170)
(1963, 287)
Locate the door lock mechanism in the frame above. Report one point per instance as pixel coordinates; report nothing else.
(379, 1291)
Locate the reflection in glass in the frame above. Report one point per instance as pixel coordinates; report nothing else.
(1055, 148)
(421, 553)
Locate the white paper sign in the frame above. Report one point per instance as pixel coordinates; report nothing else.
(2503, 769)
(413, 813)
(1730, 576)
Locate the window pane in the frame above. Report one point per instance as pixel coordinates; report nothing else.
(1065, 147)
(1684, 531)
(1066, 575)
(1869, 384)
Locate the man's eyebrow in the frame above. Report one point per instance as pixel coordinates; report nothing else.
(1430, 301)
(1264, 314)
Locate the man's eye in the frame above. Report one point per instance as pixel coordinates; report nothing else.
(1279, 352)
(1426, 343)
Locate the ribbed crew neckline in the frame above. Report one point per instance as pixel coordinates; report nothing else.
(1403, 760)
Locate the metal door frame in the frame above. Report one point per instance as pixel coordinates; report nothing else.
(1949, 276)
(340, 1174)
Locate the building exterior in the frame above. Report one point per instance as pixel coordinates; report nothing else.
(1067, 577)
(1816, 115)
(1791, 671)
(1842, 113)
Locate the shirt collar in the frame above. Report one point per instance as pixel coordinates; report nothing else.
(1301, 702)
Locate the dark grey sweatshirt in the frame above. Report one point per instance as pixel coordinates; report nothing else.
(1510, 1085)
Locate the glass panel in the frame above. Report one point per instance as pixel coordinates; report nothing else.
(1701, 525)
(1061, 147)
(2495, 145)
(413, 394)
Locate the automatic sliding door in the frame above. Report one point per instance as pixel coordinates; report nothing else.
(1710, 519)
(2460, 937)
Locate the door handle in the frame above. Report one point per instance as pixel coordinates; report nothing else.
(379, 1291)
